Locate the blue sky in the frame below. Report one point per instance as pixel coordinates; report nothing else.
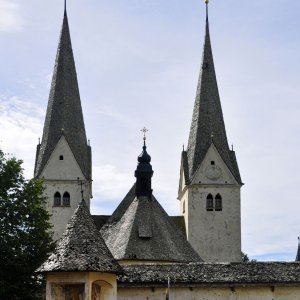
(138, 63)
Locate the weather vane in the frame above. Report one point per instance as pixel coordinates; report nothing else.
(144, 130)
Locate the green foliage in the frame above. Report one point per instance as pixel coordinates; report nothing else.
(245, 258)
(25, 232)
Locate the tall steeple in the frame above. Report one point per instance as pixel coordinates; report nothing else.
(207, 122)
(210, 182)
(64, 113)
(63, 157)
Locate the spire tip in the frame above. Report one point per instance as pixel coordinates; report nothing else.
(206, 3)
(65, 9)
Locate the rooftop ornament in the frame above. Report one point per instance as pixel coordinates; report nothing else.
(144, 130)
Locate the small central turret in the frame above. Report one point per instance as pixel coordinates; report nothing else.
(143, 172)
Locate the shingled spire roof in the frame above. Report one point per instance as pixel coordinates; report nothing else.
(140, 229)
(64, 112)
(207, 122)
(81, 248)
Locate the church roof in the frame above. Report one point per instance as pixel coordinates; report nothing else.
(81, 248)
(140, 229)
(207, 122)
(211, 274)
(64, 113)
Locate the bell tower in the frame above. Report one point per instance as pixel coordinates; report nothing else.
(63, 158)
(210, 182)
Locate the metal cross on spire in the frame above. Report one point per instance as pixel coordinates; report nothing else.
(144, 130)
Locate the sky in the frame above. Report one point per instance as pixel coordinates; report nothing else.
(138, 64)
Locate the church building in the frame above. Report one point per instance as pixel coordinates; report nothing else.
(136, 251)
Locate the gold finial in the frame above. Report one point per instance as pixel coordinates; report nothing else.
(144, 130)
(206, 1)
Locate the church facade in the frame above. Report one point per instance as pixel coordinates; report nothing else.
(132, 253)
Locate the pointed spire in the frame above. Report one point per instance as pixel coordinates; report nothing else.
(64, 113)
(143, 172)
(81, 248)
(206, 4)
(207, 115)
(65, 9)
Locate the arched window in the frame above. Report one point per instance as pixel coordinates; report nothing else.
(57, 199)
(66, 199)
(209, 202)
(218, 202)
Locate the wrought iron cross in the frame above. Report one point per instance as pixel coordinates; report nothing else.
(144, 130)
(80, 182)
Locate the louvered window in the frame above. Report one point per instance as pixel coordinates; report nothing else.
(57, 199)
(209, 202)
(66, 199)
(218, 202)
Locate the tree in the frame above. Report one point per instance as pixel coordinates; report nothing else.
(245, 258)
(25, 232)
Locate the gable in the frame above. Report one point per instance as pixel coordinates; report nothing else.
(62, 164)
(213, 169)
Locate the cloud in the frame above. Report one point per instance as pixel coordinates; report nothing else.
(10, 19)
(21, 124)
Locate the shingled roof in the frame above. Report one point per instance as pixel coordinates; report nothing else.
(64, 113)
(207, 121)
(140, 229)
(81, 248)
(211, 274)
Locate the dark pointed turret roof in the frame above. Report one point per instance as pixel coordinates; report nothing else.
(298, 252)
(81, 248)
(140, 229)
(207, 122)
(64, 113)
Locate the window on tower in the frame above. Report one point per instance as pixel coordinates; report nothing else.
(218, 202)
(66, 199)
(209, 202)
(57, 199)
(61, 157)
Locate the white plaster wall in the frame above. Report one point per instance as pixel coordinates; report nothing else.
(215, 235)
(247, 293)
(61, 176)
(108, 284)
(60, 215)
(107, 281)
(66, 169)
